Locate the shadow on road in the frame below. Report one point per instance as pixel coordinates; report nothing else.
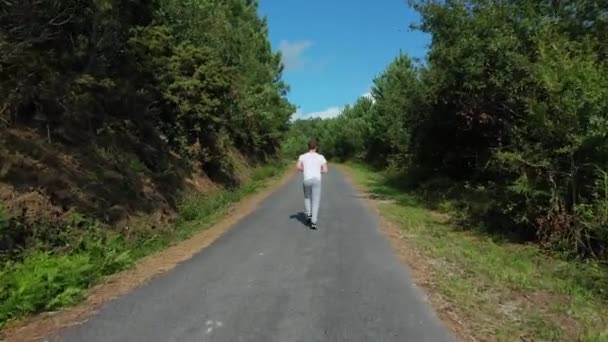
(300, 217)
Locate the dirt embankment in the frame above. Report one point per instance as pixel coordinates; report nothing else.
(119, 181)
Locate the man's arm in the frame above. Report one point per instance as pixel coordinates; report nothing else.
(299, 165)
(324, 168)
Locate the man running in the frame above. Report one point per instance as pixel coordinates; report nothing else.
(312, 164)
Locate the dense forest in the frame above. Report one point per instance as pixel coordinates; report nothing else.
(508, 116)
(189, 73)
(166, 85)
(111, 113)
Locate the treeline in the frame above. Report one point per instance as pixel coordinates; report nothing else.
(197, 76)
(509, 116)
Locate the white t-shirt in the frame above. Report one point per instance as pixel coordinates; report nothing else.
(311, 163)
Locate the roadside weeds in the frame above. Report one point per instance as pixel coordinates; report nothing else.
(487, 290)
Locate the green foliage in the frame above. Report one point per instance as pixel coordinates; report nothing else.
(199, 205)
(397, 93)
(238, 86)
(266, 171)
(199, 74)
(3, 218)
(374, 129)
(44, 281)
(510, 107)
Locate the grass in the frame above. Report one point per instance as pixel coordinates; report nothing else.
(503, 290)
(48, 279)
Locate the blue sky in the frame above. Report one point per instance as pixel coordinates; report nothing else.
(333, 49)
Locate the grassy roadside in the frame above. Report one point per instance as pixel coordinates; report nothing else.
(500, 290)
(48, 280)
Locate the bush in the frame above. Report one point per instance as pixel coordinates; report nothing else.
(43, 281)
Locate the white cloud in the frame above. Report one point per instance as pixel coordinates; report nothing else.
(297, 115)
(292, 53)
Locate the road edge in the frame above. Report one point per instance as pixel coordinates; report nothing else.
(42, 325)
(417, 265)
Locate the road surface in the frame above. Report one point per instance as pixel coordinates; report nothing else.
(270, 278)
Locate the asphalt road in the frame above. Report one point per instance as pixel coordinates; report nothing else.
(270, 278)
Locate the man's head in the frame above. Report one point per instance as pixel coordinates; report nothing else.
(313, 145)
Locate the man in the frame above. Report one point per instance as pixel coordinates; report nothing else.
(312, 164)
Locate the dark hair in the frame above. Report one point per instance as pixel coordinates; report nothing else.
(312, 144)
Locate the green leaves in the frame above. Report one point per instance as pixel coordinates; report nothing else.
(44, 281)
(512, 100)
(216, 69)
(188, 68)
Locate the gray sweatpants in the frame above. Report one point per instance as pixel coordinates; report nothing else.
(312, 197)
